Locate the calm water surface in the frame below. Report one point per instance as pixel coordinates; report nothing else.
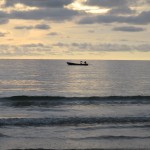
(55, 78)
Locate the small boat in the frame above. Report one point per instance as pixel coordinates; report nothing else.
(77, 64)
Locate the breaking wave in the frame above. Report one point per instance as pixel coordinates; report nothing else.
(22, 101)
(112, 137)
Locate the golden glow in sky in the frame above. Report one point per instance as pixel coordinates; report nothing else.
(89, 9)
(66, 29)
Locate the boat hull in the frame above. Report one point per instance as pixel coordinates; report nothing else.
(76, 64)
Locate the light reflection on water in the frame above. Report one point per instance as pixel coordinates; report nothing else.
(53, 77)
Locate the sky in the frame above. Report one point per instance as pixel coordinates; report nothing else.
(75, 29)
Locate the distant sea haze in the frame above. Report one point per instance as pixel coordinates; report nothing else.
(46, 104)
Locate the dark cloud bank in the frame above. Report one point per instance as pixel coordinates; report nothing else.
(120, 11)
(46, 10)
(39, 3)
(141, 19)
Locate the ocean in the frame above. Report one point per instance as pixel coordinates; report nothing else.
(46, 104)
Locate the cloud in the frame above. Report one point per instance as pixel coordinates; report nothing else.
(55, 14)
(2, 14)
(3, 18)
(105, 47)
(38, 26)
(53, 34)
(24, 27)
(42, 26)
(143, 48)
(4, 21)
(119, 11)
(32, 45)
(89, 47)
(39, 3)
(141, 19)
(129, 29)
(122, 10)
(60, 44)
(53, 10)
(109, 3)
(40, 49)
(33, 49)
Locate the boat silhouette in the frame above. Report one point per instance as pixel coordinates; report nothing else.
(77, 64)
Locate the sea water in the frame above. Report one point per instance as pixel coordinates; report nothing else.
(46, 104)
